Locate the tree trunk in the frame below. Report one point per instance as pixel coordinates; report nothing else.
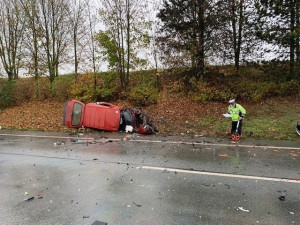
(292, 39)
(298, 30)
(75, 52)
(200, 52)
(93, 50)
(239, 42)
(128, 44)
(120, 49)
(235, 35)
(36, 62)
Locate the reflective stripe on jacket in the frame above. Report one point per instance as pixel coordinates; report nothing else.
(236, 112)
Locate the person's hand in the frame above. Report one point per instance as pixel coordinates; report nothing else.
(240, 118)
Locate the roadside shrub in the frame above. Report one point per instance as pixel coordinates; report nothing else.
(107, 88)
(203, 91)
(144, 95)
(143, 76)
(62, 86)
(83, 89)
(290, 88)
(24, 90)
(257, 91)
(177, 88)
(44, 88)
(7, 89)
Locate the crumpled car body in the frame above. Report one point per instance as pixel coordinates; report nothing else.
(106, 116)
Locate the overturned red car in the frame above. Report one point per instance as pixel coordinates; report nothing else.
(106, 116)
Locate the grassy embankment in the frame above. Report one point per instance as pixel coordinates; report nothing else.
(182, 107)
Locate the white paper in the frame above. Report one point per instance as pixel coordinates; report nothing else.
(128, 129)
(227, 115)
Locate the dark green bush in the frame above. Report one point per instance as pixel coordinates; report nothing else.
(242, 88)
(143, 95)
(24, 90)
(44, 88)
(61, 86)
(290, 88)
(84, 90)
(7, 90)
(203, 91)
(107, 88)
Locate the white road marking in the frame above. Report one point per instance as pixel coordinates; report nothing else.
(52, 137)
(159, 141)
(218, 144)
(221, 174)
(44, 136)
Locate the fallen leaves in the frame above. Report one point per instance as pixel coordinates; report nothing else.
(46, 116)
(294, 154)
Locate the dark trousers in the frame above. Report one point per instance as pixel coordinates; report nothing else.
(233, 127)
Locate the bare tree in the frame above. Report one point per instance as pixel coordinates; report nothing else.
(77, 13)
(91, 36)
(11, 37)
(32, 39)
(55, 29)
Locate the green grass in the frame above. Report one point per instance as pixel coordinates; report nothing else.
(270, 121)
(279, 124)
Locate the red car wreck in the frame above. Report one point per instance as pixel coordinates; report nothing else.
(106, 116)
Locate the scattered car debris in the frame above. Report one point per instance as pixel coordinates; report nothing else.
(162, 122)
(86, 141)
(99, 223)
(59, 143)
(223, 155)
(128, 128)
(28, 199)
(40, 195)
(242, 209)
(138, 205)
(127, 138)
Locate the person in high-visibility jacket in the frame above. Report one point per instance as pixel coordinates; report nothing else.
(237, 113)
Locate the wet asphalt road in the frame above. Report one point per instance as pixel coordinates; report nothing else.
(79, 181)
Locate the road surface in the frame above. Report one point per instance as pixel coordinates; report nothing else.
(55, 178)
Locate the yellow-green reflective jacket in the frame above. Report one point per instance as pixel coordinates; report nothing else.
(236, 112)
